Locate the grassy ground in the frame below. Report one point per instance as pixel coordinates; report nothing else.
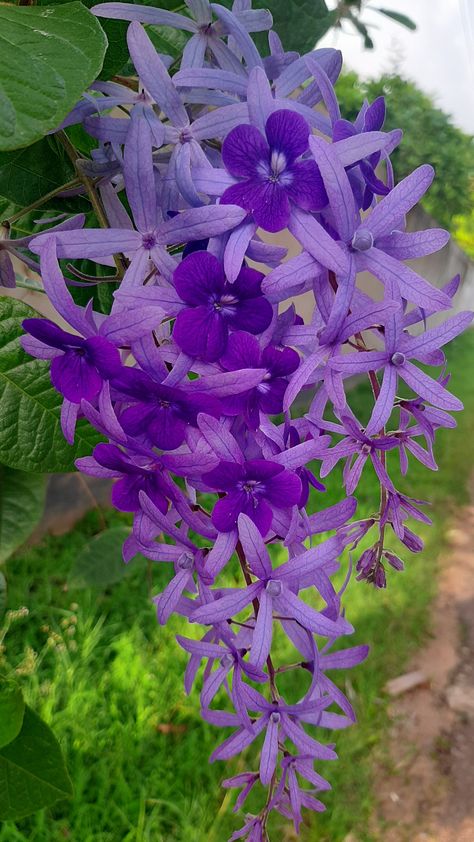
(109, 680)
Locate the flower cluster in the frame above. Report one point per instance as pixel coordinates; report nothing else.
(194, 375)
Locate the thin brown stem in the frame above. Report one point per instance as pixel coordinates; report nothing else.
(119, 259)
(7, 223)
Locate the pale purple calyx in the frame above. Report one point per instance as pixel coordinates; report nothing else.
(362, 240)
(274, 588)
(149, 241)
(397, 359)
(186, 561)
(227, 660)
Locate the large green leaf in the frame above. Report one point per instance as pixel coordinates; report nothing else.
(32, 770)
(30, 432)
(100, 563)
(28, 174)
(21, 507)
(48, 56)
(298, 24)
(12, 709)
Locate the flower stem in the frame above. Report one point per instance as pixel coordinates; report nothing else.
(119, 259)
(7, 223)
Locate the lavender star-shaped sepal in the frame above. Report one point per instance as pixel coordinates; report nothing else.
(275, 590)
(278, 721)
(244, 351)
(230, 655)
(375, 243)
(214, 306)
(254, 488)
(356, 443)
(271, 178)
(161, 413)
(400, 349)
(80, 366)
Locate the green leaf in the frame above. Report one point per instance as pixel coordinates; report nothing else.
(28, 174)
(361, 27)
(12, 709)
(3, 594)
(32, 770)
(300, 24)
(21, 506)
(30, 432)
(100, 563)
(403, 19)
(48, 56)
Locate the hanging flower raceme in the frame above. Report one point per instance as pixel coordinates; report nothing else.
(199, 374)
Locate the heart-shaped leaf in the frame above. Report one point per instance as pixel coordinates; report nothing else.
(32, 770)
(48, 56)
(30, 434)
(21, 506)
(12, 709)
(100, 563)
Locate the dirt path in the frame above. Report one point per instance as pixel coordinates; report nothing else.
(426, 791)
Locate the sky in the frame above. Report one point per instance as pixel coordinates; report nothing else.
(439, 55)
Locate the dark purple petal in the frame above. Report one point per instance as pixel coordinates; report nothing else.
(201, 332)
(270, 396)
(243, 351)
(227, 511)
(307, 187)
(280, 362)
(260, 513)
(271, 211)
(197, 277)
(52, 335)
(225, 476)
(283, 490)
(75, 377)
(287, 132)
(248, 283)
(105, 356)
(243, 149)
(252, 314)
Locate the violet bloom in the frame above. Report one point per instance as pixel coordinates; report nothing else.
(80, 366)
(214, 305)
(108, 460)
(244, 351)
(358, 443)
(270, 175)
(161, 413)
(254, 489)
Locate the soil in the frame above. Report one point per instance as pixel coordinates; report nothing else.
(426, 788)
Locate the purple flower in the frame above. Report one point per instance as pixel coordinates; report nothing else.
(160, 413)
(214, 305)
(108, 460)
(81, 366)
(270, 175)
(244, 351)
(254, 489)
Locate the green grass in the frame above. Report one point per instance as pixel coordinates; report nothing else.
(109, 680)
